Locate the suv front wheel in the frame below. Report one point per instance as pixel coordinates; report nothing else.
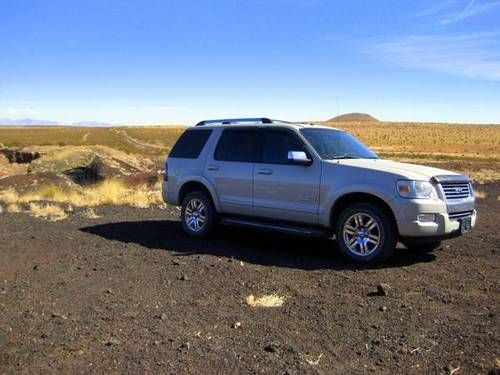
(365, 233)
(198, 215)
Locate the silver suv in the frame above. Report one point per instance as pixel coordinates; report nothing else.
(315, 181)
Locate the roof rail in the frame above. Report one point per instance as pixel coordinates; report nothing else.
(262, 120)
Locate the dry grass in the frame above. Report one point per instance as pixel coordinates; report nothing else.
(47, 211)
(14, 207)
(483, 175)
(477, 140)
(19, 136)
(479, 194)
(270, 300)
(90, 213)
(9, 196)
(313, 359)
(109, 192)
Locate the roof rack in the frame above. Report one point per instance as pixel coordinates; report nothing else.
(228, 121)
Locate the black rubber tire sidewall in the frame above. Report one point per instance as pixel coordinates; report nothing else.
(388, 233)
(211, 214)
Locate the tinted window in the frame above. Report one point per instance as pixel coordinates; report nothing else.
(190, 144)
(276, 144)
(336, 144)
(237, 145)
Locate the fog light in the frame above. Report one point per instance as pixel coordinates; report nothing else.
(427, 218)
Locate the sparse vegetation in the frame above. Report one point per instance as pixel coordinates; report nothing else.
(17, 136)
(47, 211)
(9, 196)
(110, 192)
(269, 300)
(476, 141)
(13, 207)
(129, 159)
(90, 213)
(480, 194)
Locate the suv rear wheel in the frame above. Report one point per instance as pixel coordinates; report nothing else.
(198, 215)
(365, 233)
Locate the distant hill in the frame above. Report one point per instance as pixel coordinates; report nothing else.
(92, 123)
(353, 117)
(30, 121)
(26, 121)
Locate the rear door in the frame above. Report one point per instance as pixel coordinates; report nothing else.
(230, 169)
(282, 190)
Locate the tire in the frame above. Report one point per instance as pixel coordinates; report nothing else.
(423, 247)
(197, 207)
(370, 232)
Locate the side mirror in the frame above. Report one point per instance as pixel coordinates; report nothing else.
(299, 157)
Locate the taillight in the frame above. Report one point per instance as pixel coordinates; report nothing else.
(165, 173)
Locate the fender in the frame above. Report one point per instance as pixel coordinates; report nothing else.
(202, 180)
(333, 197)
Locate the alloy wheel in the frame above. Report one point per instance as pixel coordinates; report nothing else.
(361, 234)
(195, 215)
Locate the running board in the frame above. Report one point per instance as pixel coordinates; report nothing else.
(283, 228)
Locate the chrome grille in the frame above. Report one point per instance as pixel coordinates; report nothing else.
(456, 190)
(459, 215)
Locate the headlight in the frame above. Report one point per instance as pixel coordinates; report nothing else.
(416, 189)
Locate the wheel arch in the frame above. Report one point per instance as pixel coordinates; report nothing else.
(196, 185)
(360, 197)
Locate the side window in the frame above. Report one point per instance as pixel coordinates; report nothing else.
(190, 144)
(277, 143)
(237, 145)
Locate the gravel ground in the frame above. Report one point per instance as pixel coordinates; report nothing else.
(129, 293)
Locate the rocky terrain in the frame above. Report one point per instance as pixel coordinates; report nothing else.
(127, 292)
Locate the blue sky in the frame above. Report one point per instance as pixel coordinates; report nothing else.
(166, 61)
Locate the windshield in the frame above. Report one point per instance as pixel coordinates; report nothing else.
(336, 144)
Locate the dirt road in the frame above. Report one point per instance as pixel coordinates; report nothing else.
(129, 293)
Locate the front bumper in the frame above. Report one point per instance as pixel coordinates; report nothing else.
(443, 226)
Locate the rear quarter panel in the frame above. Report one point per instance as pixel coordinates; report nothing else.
(181, 171)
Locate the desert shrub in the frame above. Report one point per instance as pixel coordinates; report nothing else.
(9, 196)
(47, 211)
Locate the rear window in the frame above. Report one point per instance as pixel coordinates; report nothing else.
(190, 144)
(237, 145)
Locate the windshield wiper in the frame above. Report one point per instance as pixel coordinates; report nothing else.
(346, 156)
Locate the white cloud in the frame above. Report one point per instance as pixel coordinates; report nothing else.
(159, 108)
(473, 8)
(17, 111)
(437, 8)
(469, 55)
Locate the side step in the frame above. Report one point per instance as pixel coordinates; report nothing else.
(276, 227)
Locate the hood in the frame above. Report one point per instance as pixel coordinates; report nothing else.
(404, 170)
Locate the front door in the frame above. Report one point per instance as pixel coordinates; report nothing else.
(283, 190)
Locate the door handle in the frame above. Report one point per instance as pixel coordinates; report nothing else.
(213, 168)
(265, 171)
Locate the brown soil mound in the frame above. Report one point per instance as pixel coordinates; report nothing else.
(90, 164)
(355, 117)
